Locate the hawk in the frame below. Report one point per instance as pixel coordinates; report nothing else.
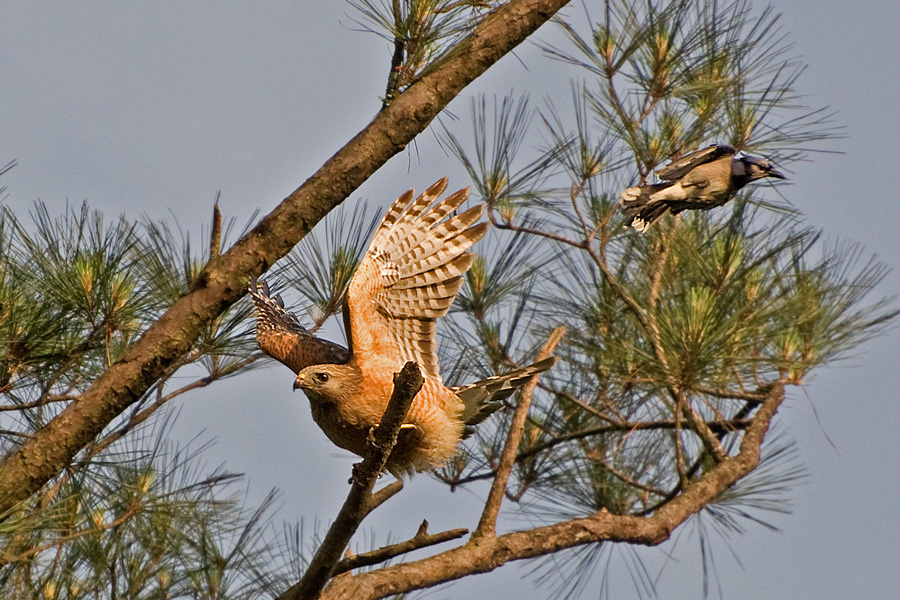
(407, 279)
(701, 180)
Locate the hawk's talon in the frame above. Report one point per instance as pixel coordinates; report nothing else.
(370, 438)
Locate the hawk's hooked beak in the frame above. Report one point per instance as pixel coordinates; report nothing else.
(298, 383)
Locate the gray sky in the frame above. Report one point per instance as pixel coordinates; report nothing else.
(152, 107)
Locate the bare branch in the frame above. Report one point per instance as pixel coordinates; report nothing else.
(486, 526)
(360, 501)
(422, 539)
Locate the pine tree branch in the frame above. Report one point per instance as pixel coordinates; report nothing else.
(224, 280)
(485, 554)
(360, 501)
(422, 539)
(488, 521)
(737, 423)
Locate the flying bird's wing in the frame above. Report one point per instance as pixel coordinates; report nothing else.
(680, 167)
(281, 336)
(409, 277)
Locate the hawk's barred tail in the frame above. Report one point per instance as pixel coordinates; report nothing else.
(485, 397)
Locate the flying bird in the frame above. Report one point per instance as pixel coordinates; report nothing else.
(408, 278)
(701, 180)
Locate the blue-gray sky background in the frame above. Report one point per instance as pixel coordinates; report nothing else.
(152, 107)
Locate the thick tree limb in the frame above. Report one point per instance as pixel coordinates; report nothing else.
(225, 278)
(360, 501)
(484, 554)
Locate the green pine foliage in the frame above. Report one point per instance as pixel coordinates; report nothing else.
(674, 338)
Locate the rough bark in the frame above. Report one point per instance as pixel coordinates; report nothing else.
(226, 276)
(484, 554)
(360, 501)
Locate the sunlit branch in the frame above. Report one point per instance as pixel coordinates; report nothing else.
(360, 501)
(485, 554)
(488, 521)
(422, 539)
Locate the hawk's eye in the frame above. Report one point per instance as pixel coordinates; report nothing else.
(322, 377)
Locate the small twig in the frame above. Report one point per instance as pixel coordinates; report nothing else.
(46, 399)
(487, 523)
(215, 234)
(623, 476)
(454, 5)
(720, 427)
(507, 225)
(679, 444)
(662, 252)
(582, 404)
(360, 501)
(13, 433)
(383, 495)
(753, 397)
(698, 425)
(393, 81)
(422, 539)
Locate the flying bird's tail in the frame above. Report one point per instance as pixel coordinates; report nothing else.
(641, 208)
(485, 397)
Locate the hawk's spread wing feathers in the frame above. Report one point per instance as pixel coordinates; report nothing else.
(680, 167)
(410, 276)
(281, 336)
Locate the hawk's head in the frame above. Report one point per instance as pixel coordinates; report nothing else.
(328, 382)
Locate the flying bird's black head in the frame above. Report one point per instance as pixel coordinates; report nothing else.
(751, 168)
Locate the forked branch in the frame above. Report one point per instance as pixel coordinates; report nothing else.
(422, 539)
(361, 501)
(484, 554)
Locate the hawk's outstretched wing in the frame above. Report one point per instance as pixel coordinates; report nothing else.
(680, 167)
(281, 336)
(409, 277)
